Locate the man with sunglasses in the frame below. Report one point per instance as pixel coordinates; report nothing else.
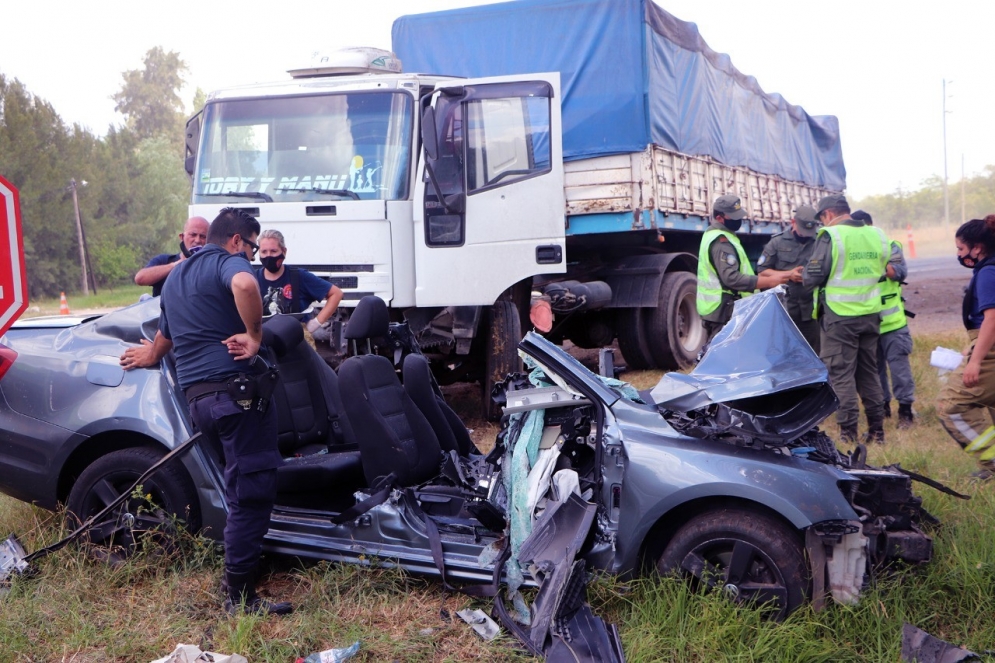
(212, 320)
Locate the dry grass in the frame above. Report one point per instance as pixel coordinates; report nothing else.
(929, 241)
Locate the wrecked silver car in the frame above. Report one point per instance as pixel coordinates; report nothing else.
(723, 479)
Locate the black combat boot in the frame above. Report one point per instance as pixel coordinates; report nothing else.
(875, 434)
(906, 419)
(848, 434)
(242, 597)
(887, 409)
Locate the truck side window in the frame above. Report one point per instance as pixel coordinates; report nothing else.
(507, 140)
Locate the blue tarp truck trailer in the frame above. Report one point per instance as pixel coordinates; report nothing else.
(570, 147)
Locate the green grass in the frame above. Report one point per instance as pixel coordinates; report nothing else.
(80, 610)
(106, 298)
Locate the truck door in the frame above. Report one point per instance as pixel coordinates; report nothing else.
(489, 203)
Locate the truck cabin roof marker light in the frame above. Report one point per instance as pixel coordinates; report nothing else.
(355, 60)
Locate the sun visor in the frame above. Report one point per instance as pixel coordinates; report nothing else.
(758, 353)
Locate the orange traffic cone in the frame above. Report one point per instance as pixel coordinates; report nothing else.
(63, 305)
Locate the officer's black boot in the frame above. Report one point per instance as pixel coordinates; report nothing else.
(875, 434)
(905, 417)
(848, 434)
(242, 597)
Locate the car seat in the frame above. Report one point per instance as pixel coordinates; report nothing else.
(421, 387)
(314, 435)
(393, 434)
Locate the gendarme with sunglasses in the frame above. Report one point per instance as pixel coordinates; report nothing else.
(212, 320)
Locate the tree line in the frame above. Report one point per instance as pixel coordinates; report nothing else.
(136, 193)
(925, 207)
(135, 199)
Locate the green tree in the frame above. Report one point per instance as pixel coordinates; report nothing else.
(149, 98)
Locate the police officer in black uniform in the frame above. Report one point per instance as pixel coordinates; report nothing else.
(212, 320)
(788, 250)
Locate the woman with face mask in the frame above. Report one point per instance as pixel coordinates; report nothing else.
(970, 390)
(291, 290)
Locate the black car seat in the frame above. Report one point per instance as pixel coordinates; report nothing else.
(421, 387)
(393, 434)
(314, 435)
(369, 321)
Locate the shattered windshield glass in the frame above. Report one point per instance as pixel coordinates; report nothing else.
(349, 145)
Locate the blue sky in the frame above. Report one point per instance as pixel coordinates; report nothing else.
(878, 65)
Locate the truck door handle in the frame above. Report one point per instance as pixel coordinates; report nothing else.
(550, 254)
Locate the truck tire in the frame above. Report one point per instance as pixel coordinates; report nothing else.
(141, 521)
(503, 334)
(674, 326)
(632, 340)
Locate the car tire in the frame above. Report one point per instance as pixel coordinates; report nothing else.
(503, 334)
(138, 521)
(674, 327)
(632, 340)
(750, 556)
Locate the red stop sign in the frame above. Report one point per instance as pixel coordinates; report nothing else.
(13, 277)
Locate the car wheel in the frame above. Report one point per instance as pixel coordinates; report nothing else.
(674, 327)
(749, 556)
(504, 333)
(167, 498)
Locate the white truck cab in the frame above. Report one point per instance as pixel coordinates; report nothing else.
(335, 159)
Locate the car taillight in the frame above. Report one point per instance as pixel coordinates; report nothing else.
(7, 357)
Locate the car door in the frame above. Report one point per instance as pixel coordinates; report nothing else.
(489, 202)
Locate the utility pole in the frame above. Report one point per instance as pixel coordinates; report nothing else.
(946, 193)
(85, 281)
(963, 200)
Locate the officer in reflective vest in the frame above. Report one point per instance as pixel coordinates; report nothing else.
(895, 342)
(787, 250)
(724, 271)
(846, 266)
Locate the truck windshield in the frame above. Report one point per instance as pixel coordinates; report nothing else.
(349, 145)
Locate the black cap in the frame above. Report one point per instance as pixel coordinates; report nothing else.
(861, 215)
(730, 207)
(829, 202)
(805, 223)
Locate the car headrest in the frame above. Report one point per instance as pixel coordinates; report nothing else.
(282, 333)
(369, 319)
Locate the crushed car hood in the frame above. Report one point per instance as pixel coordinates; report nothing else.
(758, 379)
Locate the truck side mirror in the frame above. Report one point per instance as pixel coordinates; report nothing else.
(429, 137)
(192, 142)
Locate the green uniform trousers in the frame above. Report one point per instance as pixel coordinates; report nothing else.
(968, 412)
(850, 352)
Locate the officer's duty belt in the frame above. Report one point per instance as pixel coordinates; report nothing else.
(205, 388)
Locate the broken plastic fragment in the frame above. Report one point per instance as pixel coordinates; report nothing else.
(478, 620)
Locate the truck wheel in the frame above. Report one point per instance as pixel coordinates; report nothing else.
(632, 340)
(674, 326)
(504, 333)
(142, 520)
(751, 557)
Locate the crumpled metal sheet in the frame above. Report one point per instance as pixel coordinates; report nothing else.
(759, 352)
(921, 647)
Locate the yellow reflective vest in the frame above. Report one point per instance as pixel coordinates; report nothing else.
(892, 307)
(710, 289)
(860, 258)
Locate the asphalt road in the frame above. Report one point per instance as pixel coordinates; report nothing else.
(934, 293)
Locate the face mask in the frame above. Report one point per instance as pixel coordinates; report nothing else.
(967, 261)
(272, 263)
(733, 226)
(188, 252)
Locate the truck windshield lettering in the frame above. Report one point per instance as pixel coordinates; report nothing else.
(290, 148)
